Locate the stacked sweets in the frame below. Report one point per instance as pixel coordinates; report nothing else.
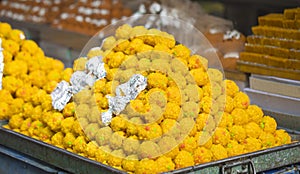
(34, 11)
(274, 49)
(88, 17)
(186, 114)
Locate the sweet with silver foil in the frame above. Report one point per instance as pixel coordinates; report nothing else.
(124, 93)
(61, 95)
(94, 70)
(96, 67)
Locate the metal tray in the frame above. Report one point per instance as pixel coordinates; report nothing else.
(247, 163)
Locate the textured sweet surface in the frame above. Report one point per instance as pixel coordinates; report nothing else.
(274, 45)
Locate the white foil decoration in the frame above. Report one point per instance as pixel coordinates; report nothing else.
(96, 67)
(231, 34)
(78, 81)
(94, 70)
(124, 93)
(61, 95)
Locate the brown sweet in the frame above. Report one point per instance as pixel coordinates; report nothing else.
(35, 11)
(277, 42)
(227, 50)
(273, 51)
(276, 32)
(273, 19)
(290, 24)
(290, 13)
(91, 16)
(267, 70)
(270, 60)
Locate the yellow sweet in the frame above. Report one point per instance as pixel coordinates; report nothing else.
(204, 139)
(5, 28)
(91, 149)
(45, 134)
(173, 95)
(25, 92)
(167, 125)
(102, 135)
(129, 163)
(130, 146)
(15, 68)
(148, 149)
(149, 131)
(197, 61)
(205, 122)
(267, 139)
(79, 144)
(115, 59)
(10, 46)
(172, 111)
(252, 130)
(202, 155)
(38, 78)
(240, 116)
(255, 113)
(15, 121)
(123, 31)
(57, 139)
(7, 56)
(181, 51)
(11, 84)
(200, 76)
(282, 137)
(157, 80)
(146, 166)
(221, 136)
(231, 88)
(165, 164)
(238, 133)
(16, 106)
(116, 140)
(68, 140)
(67, 124)
(189, 144)
(268, 124)
(54, 122)
(16, 35)
(224, 120)
(241, 100)
(218, 151)
(184, 159)
(234, 148)
(252, 144)
(29, 46)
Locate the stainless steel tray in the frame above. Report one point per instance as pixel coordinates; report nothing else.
(73, 163)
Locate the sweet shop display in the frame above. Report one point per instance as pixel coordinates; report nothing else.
(33, 11)
(273, 49)
(228, 46)
(142, 103)
(88, 17)
(28, 76)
